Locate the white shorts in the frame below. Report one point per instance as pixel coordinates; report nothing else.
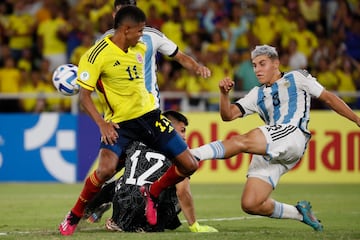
(286, 145)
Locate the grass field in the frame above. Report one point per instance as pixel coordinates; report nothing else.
(33, 211)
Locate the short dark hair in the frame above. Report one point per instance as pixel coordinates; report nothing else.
(124, 2)
(176, 115)
(131, 13)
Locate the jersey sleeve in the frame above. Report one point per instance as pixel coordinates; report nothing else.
(161, 43)
(308, 83)
(248, 104)
(88, 71)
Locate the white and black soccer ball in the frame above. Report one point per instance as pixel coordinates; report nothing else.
(64, 79)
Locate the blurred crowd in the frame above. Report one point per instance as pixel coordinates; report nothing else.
(322, 36)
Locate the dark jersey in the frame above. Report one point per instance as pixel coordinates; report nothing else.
(143, 165)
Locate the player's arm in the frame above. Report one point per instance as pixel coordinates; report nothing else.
(339, 106)
(186, 202)
(107, 129)
(167, 47)
(190, 64)
(89, 106)
(228, 111)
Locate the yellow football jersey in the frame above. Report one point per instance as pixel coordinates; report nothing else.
(118, 78)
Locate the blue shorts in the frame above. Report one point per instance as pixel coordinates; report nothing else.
(152, 129)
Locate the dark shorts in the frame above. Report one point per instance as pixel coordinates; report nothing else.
(152, 129)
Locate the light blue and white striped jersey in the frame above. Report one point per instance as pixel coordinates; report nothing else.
(287, 101)
(155, 41)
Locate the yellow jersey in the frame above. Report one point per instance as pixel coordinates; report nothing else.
(118, 78)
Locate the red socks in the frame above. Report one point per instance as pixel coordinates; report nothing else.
(170, 178)
(91, 187)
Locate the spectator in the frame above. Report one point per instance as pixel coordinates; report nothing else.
(331, 7)
(341, 18)
(10, 81)
(35, 85)
(214, 12)
(192, 85)
(345, 73)
(195, 47)
(244, 76)
(153, 18)
(306, 39)
(174, 28)
(310, 10)
(5, 53)
(43, 13)
(284, 61)
(264, 27)
(218, 63)
(26, 61)
(322, 51)
(288, 24)
(297, 60)
(75, 34)
(352, 37)
(20, 30)
(86, 43)
(52, 34)
(326, 75)
(54, 103)
(100, 9)
(239, 27)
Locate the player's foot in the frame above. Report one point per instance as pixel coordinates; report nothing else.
(68, 226)
(309, 218)
(151, 205)
(96, 214)
(196, 227)
(112, 226)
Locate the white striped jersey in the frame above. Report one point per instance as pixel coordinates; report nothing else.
(287, 101)
(155, 41)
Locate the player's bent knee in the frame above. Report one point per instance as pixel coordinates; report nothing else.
(105, 174)
(248, 206)
(186, 163)
(188, 168)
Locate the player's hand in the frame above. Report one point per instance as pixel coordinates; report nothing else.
(196, 227)
(225, 85)
(108, 132)
(203, 71)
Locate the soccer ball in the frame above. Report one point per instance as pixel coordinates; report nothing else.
(64, 79)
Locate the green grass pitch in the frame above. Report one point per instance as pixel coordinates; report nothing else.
(34, 211)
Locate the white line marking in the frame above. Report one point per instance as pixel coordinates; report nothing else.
(225, 219)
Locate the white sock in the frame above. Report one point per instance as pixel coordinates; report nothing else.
(283, 210)
(209, 151)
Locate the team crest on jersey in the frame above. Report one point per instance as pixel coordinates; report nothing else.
(139, 58)
(287, 84)
(84, 76)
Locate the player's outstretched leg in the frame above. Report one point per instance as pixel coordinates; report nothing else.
(151, 204)
(304, 207)
(68, 226)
